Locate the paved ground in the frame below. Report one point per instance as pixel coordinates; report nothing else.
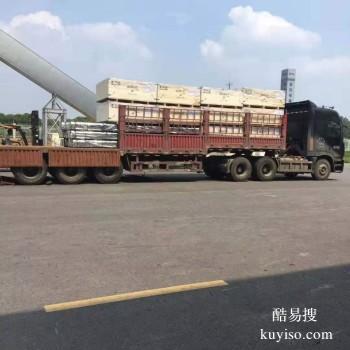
(279, 244)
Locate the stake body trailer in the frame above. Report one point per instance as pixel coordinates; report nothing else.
(306, 139)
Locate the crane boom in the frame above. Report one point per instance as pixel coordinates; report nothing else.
(50, 78)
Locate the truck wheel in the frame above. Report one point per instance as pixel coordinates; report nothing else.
(30, 176)
(265, 169)
(322, 170)
(108, 175)
(69, 176)
(240, 169)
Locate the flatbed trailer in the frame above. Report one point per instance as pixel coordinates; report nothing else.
(302, 143)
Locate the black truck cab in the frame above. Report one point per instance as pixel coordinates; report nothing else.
(315, 133)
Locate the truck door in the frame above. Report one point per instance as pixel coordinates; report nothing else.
(328, 135)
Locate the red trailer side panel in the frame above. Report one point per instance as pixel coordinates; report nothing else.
(82, 157)
(186, 143)
(18, 157)
(140, 143)
(220, 141)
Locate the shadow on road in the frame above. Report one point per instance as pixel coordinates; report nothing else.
(170, 177)
(222, 318)
(191, 177)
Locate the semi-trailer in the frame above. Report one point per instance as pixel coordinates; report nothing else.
(226, 134)
(306, 140)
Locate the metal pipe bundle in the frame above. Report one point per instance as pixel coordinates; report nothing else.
(80, 134)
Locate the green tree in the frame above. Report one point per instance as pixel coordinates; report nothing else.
(15, 118)
(346, 124)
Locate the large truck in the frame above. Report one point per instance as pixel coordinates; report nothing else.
(310, 141)
(236, 135)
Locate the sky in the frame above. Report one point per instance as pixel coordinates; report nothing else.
(193, 42)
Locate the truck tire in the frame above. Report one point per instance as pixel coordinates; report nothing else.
(69, 176)
(265, 169)
(240, 169)
(322, 170)
(108, 175)
(30, 176)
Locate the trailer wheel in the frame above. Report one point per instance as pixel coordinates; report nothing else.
(240, 169)
(322, 170)
(69, 176)
(30, 176)
(265, 169)
(108, 175)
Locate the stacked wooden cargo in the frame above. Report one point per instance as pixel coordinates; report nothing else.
(225, 111)
(227, 108)
(144, 103)
(267, 109)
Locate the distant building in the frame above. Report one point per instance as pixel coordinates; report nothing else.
(288, 83)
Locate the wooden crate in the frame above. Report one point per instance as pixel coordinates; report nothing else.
(236, 130)
(178, 95)
(185, 115)
(265, 116)
(269, 132)
(263, 98)
(107, 111)
(225, 115)
(221, 97)
(143, 113)
(126, 90)
(264, 111)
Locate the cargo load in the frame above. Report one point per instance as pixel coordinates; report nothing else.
(90, 143)
(220, 97)
(108, 111)
(81, 134)
(263, 98)
(226, 108)
(146, 92)
(85, 126)
(91, 135)
(178, 95)
(126, 90)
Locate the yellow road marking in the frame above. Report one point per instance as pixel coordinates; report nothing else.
(133, 295)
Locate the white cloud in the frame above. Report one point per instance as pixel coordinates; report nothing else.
(89, 52)
(41, 18)
(263, 28)
(252, 31)
(210, 48)
(118, 35)
(255, 46)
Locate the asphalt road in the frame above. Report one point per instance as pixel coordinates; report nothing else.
(279, 244)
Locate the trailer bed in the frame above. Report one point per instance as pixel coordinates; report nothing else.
(34, 156)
